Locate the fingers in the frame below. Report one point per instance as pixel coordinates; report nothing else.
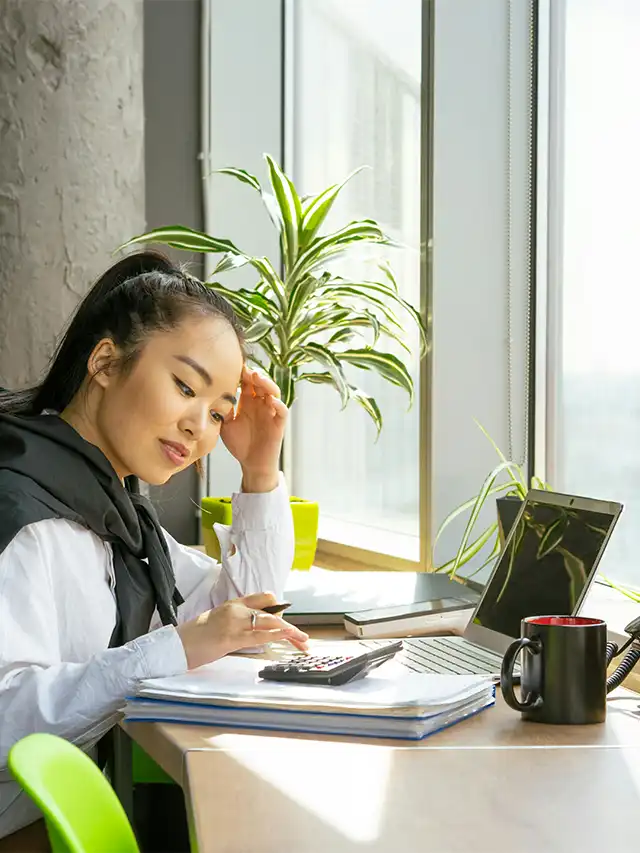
(258, 600)
(280, 410)
(257, 385)
(295, 636)
(302, 646)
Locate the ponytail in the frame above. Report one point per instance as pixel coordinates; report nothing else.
(138, 295)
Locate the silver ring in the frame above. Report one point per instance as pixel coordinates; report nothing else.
(254, 619)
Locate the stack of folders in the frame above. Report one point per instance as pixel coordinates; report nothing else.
(388, 702)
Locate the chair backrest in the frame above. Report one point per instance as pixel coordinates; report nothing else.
(81, 809)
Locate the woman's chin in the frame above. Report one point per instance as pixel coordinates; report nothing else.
(155, 477)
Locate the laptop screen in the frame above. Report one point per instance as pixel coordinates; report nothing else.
(548, 562)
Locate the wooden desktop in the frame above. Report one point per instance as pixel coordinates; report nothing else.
(491, 783)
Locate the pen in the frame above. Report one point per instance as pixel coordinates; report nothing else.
(276, 608)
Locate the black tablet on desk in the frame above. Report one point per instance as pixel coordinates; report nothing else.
(322, 597)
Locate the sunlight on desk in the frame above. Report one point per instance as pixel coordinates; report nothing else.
(347, 789)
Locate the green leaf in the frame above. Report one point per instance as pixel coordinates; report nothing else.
(629, 592)
(257, 330)
(184, 238)
(316, 211)
(469, 552)
(319, 320)
(241, 175)
(316, 378)
(577, 573)
(285, 380)
(327, 359)
(369, 405)
(366, 230)
(357, 295)
(375, 324)
(341, 336)
(267, 345)
(475, 511)
(495, 551)
(230, 262)
(252, 359)
(386, 364)
(298, 296)
(320, 323)
(247, 301)
(522, 487)
(552, 536)
(266, 270)
(290, 209)
(271, 203)
(386, 269)
(495, 490)
(365, 290)
(512, 547)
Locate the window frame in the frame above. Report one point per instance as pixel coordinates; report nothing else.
(339, 555)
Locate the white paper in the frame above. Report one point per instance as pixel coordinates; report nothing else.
(387, 687)
(305, 721)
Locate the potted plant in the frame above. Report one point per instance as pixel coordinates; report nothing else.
(307, 323)
(511, 492)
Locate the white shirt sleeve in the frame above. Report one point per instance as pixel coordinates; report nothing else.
(39, 690)
(257, 553)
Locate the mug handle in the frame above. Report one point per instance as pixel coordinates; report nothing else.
(531, 700)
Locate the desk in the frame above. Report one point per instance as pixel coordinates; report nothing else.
(491, 783)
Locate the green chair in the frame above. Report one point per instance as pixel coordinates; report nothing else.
(81, 809)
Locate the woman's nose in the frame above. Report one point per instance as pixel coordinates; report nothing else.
(195, 423)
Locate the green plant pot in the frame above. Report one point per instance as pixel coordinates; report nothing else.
(305, 527)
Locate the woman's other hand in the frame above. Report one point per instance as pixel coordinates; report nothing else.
(229, 627)
(254, 436)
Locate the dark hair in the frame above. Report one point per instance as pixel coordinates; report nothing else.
(140, 294)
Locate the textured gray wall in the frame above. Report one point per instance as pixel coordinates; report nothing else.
(71, 162)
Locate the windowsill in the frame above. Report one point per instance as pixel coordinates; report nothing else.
(604, 602)
(382, 541)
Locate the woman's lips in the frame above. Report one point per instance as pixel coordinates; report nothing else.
(176, 453)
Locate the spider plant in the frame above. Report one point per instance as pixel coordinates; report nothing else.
(471, 543)
(307, 324)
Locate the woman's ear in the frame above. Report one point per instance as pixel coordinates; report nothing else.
(101, 361)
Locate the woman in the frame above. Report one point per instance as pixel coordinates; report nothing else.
(94, 595)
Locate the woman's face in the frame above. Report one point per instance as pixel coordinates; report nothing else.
(165, 413)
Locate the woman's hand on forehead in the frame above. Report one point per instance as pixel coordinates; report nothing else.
(254, 434)
(258, 385)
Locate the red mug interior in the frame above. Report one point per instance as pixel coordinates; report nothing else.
(563, 620)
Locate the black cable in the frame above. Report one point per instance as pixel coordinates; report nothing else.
(624, 668)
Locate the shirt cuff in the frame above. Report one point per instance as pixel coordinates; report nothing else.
(162, 653)
(260, 510)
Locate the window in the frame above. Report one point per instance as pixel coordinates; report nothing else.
(593, 440)
(356, 92)
(356, 95)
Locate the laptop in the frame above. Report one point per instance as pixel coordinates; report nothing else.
(546, 567)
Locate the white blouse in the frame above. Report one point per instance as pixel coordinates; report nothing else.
(58, 611)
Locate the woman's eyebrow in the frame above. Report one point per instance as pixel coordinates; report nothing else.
(195, 366)
(200, 370)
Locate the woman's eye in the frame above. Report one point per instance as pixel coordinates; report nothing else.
(217, 417)
(186, 390)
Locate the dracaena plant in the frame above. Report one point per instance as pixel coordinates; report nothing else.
(308, 323)
(506, 479)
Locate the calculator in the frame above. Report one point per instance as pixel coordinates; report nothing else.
(330, 669)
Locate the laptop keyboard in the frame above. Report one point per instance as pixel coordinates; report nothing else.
(452, 655)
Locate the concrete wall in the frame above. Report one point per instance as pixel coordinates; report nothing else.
(96, 103)
(71, 162)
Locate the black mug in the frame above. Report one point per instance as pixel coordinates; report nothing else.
(564, 670)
